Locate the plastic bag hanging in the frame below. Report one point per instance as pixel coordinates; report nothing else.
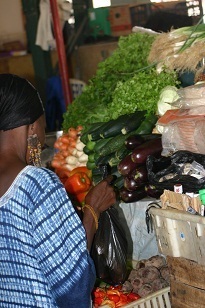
(109, 249)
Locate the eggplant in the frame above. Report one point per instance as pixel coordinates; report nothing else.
(152, 147)
(147, 137)
(131, 184)
(132, 196)
(135, 140)
(126, 165)
(137, 177)
(153, 192)
(140, 174)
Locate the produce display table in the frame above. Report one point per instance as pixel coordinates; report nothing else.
(141, 244)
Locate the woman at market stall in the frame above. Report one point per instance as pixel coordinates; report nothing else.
(44, 246)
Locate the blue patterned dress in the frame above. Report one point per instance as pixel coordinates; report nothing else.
(44, 260)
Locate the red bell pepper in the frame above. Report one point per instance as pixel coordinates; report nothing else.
(81, 196)
(81, 169)
(77, 183)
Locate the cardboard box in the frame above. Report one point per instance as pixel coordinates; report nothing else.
(187, 283)
(120, 20)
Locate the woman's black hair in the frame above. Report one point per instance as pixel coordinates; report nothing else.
(20, 103)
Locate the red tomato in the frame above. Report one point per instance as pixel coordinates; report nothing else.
(99, 293)
(113, 297)
(133, 296)
(98, 301)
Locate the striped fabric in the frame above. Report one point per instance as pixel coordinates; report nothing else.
(44, 261)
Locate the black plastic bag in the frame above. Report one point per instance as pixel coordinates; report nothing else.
(158, 169)
(109, 249)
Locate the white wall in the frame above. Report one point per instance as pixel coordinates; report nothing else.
(11, 21)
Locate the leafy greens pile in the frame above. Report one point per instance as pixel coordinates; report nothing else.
(123, 83)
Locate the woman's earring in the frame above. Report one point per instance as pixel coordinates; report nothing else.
(34, 147)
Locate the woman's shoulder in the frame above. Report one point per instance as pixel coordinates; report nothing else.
(38, 173)
(39, 178)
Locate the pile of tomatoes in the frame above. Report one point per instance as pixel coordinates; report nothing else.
(113, 297)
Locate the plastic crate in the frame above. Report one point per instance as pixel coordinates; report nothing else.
(179, 234)
(159, 299)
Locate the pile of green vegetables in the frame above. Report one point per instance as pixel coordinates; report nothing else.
(123, 83)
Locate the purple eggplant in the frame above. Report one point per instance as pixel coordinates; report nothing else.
(130, 183)
(136, 178)
(126, 165)
(152, 147)
(132, 196)
(139, 174)
(135, 140)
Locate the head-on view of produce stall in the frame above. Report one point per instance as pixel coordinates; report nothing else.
(138, 120)
(117, 219)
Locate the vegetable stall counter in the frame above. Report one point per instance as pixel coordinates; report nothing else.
(141, 244)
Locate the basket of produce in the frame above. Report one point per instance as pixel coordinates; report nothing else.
(148, 285)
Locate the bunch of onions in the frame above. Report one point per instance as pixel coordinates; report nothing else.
(180, 49)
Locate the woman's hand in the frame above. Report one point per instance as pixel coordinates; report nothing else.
(101, 196)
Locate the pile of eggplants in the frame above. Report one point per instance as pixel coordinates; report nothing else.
(133, 167)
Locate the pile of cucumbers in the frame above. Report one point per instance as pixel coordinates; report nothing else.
(105, 142)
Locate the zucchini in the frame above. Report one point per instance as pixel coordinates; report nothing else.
(113, 127)
(90, 145)
(99, 144)
(113, 144)
(113, 161)
(90, 165)
(147, 125)
(96, 134)
(119, 182)
(85, 135)
(96, 171)
(133, 122)
(114, 171)
(122, 152)
(91, 157)
(86, 150)
(103, 160)
(96, 179)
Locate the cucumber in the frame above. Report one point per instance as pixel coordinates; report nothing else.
(113, 127)
(99, 144)
(147, 125)
(86, 150)
(133, 122)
